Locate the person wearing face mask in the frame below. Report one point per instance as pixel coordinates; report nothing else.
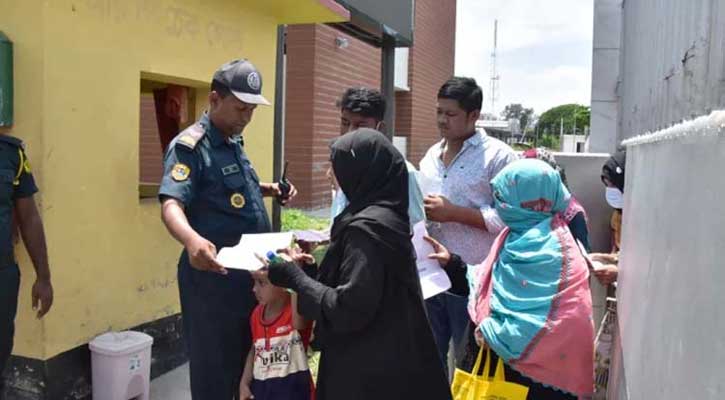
(613, 179)
(362, 107)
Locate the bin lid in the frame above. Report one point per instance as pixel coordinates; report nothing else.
(120, 343)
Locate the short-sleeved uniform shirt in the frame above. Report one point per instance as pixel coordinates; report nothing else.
(212, 176)
(16, 181)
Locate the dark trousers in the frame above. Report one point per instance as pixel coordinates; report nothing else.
(215, 311)
(448, 315)
(9, 286)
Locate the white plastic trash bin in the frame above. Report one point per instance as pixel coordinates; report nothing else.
(121, 365)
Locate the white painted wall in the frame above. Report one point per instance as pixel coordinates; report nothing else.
(673, 62)
(401, 69)
(569, 143)
(672, 271)
(671, 68)
(605, 75)
(401, 143)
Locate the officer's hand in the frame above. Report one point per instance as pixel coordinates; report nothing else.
(202, 255)
(277, 192)
(42, 294)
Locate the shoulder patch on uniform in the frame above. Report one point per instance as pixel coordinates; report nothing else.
(180, 172)
(191, 136)
(11, 140)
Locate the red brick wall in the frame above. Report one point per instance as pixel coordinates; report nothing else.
(150, 153)
(317, 74)
(299, 108)
(431, 63)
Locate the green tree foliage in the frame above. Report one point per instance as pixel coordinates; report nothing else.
(574, 115)
(517, 111)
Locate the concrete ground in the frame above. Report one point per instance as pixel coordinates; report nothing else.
(174, 385)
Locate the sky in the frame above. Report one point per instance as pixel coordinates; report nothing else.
(544, 50)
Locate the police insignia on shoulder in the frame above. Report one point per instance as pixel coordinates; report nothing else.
(237, 200)
(191, 136)
(187, 140)
(180, 172)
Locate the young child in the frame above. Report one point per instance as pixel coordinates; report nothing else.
(276, 367)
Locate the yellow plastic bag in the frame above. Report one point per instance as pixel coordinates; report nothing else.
(469, 386)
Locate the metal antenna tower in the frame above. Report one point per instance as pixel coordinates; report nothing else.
(494, 73)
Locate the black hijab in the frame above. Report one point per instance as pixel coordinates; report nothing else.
(374, 177)
(613, 169)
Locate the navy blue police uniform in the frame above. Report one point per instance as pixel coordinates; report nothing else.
(16, 182)
(214, 180)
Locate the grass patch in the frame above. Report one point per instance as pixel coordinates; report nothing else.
(521, 146)
(296, 220)
(293, 219)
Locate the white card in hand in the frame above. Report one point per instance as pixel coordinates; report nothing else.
(433, 279)
(244, 255)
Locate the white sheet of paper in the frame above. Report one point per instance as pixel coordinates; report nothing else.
(243, 256)
(433, 279)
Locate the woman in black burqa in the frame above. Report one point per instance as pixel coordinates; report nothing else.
(374, 336)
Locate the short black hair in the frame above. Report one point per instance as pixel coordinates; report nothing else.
(221, 89)
(465, 91)
(364, 101)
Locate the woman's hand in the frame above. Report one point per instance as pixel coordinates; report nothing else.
(604, 258)
(606, 273)
(440, 253)
(296, 255)
(480, 341)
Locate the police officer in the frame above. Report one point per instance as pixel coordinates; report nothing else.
(17, 188)
(210, 196)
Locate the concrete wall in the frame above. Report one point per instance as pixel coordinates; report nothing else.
(583, 173)
(672, 277)
(671, 68)
(605, 75)
(78, 66)
(673, 65)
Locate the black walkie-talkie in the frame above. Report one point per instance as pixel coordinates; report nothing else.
(284, 186)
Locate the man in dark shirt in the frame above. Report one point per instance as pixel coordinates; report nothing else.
(17, 188)
(210, 196)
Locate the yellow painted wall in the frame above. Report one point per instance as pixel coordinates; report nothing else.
(78, 65)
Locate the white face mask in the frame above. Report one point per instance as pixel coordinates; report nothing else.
(339, 203)
(615, 198)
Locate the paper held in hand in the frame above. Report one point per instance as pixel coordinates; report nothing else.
(433, 279)
(243, 256)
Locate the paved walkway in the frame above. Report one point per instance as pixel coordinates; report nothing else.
(174, 385)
